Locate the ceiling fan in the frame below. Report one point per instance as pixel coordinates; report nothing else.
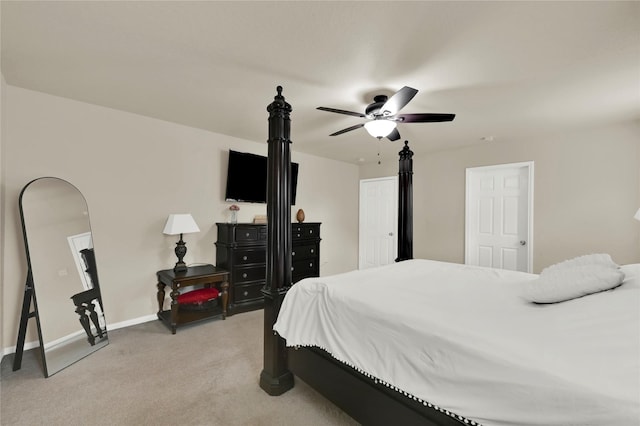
(382, 115)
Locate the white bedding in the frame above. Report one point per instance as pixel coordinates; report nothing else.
(463, 338)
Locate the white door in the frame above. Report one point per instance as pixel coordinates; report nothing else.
(499, 216)
(378, 221)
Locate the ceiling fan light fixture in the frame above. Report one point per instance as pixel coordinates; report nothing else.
(379, 128)
(382, 115)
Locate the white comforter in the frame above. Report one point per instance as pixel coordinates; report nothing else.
(462, 338)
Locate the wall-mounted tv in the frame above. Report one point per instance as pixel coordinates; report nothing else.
(247, 178)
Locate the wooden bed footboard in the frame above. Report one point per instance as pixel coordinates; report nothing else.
(364, 398)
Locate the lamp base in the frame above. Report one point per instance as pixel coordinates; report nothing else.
(181, 250)
(180, 267)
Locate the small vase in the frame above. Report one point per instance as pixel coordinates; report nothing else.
(234, 217)
(300, 216)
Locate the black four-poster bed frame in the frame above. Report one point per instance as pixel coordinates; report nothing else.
(366, 399)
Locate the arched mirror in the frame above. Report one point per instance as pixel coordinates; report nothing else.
(62, 272)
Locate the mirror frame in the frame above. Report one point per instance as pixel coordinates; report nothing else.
(83, 301)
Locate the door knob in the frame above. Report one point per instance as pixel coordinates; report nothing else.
(523, 243)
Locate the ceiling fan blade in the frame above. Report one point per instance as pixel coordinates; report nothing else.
(398, 101)
(394, 135)
(424, 118)
(348, 129)
(341, 111)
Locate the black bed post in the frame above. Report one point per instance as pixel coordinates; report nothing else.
(405, 204)
(276, 378)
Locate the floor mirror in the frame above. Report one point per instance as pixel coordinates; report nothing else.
(62, 272)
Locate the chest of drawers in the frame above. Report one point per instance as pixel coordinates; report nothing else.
(241, 249)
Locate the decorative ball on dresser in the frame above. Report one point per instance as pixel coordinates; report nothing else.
(300, 216)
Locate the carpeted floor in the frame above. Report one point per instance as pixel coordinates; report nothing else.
(206, 374)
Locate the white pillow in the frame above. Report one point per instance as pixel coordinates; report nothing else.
(574, 278)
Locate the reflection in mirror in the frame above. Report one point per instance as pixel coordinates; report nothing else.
(63, 273)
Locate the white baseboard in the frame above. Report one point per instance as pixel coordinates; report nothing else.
(27, 346)
(114, 326)
(131, 322)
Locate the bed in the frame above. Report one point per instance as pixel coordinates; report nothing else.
(464, 339)
(426, 342)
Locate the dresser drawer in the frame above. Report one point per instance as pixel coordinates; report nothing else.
(299, 231)
(304, 268)
(244, 234)
(254, 273)
(244, 293)
(304, 252)
(249, 256)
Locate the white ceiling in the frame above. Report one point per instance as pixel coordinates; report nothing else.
(506, 69)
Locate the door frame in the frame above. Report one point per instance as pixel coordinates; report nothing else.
(360, 218)
(467, 217)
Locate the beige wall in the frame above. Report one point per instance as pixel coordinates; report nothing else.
(2, 203)
(587, 188)
(134, 171)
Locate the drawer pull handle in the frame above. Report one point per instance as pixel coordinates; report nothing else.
(293, 253)
(292, 268)
(311, 231)
(246, 235)
(246, 293)
(244, 257)
(310, 265)
(312, 251)
(244, 275)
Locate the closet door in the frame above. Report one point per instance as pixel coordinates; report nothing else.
(378, 221)
(499, 216)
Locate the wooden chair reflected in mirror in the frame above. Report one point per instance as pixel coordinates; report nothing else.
(85, 301)
(61, 265)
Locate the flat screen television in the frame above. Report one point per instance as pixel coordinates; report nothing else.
(247, 178)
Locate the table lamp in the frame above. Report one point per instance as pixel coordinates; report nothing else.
(180, 224)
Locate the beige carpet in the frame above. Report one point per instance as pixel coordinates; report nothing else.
(206, 374)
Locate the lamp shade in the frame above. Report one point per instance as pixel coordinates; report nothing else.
(379, 128)
(637, 215)
(180, 224)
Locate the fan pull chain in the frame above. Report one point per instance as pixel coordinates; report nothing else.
(379, 158)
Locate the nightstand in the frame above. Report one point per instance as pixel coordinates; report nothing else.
(194, 278)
